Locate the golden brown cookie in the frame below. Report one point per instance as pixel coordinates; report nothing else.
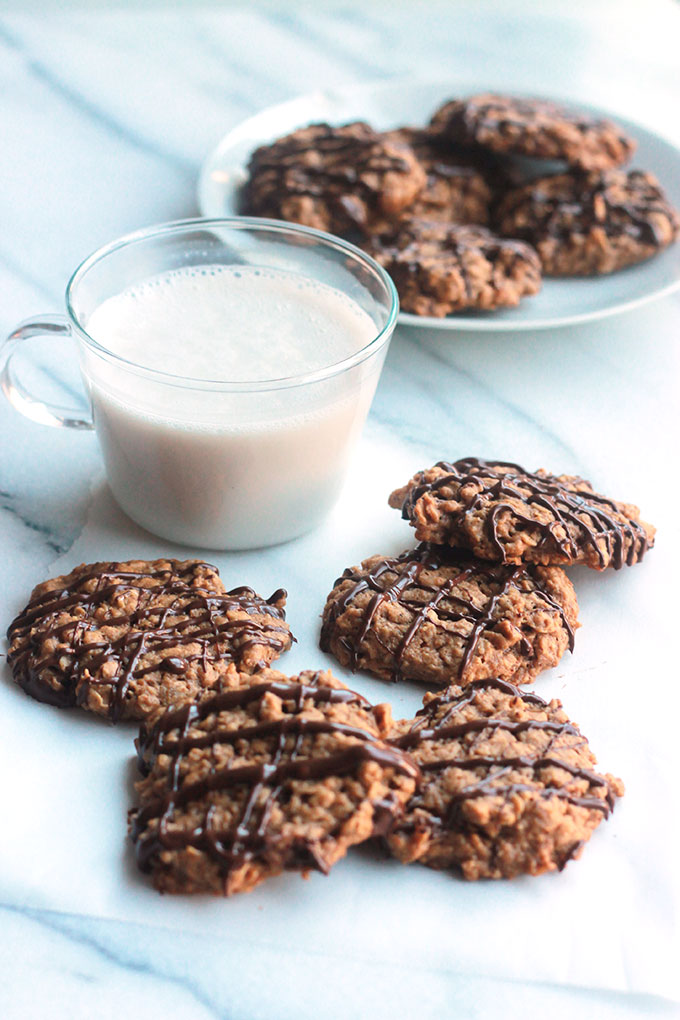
(499, 511)
(509, 786)
(457, 189)
(440, 617)
(338, 179)
(439, 269)
(123, 639)
(590, 224)
(280, 774)
(536, 128)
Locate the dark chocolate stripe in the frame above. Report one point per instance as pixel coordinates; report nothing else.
(181, 718)
(416, 737)
(344, 169)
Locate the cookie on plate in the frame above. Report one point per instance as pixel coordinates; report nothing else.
(458, 188)
(500, 511)
(535, 128)
(440, 617)
(439, 268)
(590, 224)
(509, 786)
(283, 774)
(338, 179)
(123, 639)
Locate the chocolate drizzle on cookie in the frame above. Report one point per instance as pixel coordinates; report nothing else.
(60, 661)
(536, 128)
(568, 208)
(458, 188)
(439, 267)
(153, 741)
(258, 787)
(409, 239)
(343, 168)
(542, 760)
(445, 605)
(575, 514)
(424, 729)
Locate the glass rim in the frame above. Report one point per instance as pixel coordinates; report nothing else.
(252, 223)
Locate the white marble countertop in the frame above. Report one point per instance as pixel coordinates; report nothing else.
(106, 118)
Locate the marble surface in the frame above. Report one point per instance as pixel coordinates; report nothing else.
(107, 117)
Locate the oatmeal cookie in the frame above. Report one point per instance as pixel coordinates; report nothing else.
(500, 511)
(536, 128)
(123, 639)
(508, 784)
(283, 774)
(590, 224)
(458, 188)
(338, 179)
(438, 268)
(440, 617)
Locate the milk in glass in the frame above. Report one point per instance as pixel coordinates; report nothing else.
(221, 450)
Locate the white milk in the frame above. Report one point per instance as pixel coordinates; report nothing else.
(228, 469)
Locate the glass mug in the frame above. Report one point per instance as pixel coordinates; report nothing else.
(218, 463)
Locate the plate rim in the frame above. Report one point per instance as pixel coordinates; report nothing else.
(479, 322)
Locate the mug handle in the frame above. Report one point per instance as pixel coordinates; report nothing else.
(18, 396)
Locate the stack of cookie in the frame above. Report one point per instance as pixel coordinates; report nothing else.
(471, 210)
(480, 606)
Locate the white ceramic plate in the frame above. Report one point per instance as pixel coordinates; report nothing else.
(385, 105)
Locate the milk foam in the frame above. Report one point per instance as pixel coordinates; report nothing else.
(231, 323)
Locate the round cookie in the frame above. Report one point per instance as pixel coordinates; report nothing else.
(438, 268)
(508, 784)
(500, 511)
(534, 127)
(588, 224)
(438, 617)
(337, 179)
(123, 639)
(283, 774)
(457, 189)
